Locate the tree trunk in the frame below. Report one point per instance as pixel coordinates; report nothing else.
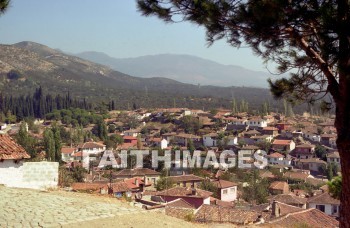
(345, 195)
(342, 124)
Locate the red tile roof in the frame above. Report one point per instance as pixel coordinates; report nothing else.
(180, 203)
(224, 184)
(90, 145)
(215, 213)
(68, 150)
(306, 218)
(279, 185)
(275, 155)
(185, 192)
(136, 172)
(324, 198)
(185, 178)
(9, 149)
(129, 137)
(305, 145)
(296, 175)
(281, 142)
(134, 183)
(78, 154)
(289, 199)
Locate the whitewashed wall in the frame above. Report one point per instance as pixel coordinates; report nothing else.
(35, 175)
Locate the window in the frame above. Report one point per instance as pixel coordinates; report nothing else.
(334, 209)
(232, 190)
(320, 207)
(224, 191)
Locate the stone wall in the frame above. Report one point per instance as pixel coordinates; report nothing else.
(35, 175)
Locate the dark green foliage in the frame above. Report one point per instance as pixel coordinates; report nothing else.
(207, 185)
(321, 152)
(311, 38)
(190, 124)
(38, 105)
(190, 145)
(100, 130)
(257, 190)
(14, 75)
(26, 141)
(78, 174)
(74, 117)
(164, 183)
(52, 143)
(335, 186)
(4, 5)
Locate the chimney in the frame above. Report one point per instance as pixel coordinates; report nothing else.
(275, 209)
(136, 182)
(193, 191)
(145, 180)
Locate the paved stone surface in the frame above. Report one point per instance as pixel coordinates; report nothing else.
(31, 208)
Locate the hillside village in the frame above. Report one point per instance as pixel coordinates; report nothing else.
(291, 191)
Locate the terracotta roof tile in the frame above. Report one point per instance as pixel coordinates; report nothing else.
(275, 155)
(89, 145)
(289, 199)
(9, 149)
(215, 213)
(185, 178)
(179, 203)
(281, 142)
(324, 198)
(223, 184)
(306, 218)
(279, 185)
(68, 150)
(185, 192)
(136, 172)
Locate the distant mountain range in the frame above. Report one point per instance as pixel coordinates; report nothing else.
(182, 68)
(27, 65)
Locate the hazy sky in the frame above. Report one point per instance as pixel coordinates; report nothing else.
(113, 27)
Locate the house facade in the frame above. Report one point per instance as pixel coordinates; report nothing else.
(227, 190)
(193, 196)
(283, 145)
(325, 203)
(12, 156)
(333, 158)
(304, 151)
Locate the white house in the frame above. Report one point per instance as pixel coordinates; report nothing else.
(133, 133)
(210, 140)
(236, 121)
(3, 126)
(277, 159)
(232, 140)
(164, 144)
(257, 122)
(312, 136)
(333, 157)
(227, 190)
(325, 203)
(92, 147)
(12, 156)
(67, 153)
(312, 164)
